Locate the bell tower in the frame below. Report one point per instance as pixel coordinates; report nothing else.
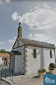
(19, 31)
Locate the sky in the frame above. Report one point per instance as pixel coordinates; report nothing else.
(38, 21)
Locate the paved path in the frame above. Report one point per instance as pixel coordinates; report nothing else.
(4, 83)
(30, 81)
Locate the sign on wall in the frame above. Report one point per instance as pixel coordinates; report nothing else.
(49, 79)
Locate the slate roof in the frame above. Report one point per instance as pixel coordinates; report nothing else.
(36, 43)
(16, 52)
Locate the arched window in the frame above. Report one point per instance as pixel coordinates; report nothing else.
(34, 53)
(50, 53)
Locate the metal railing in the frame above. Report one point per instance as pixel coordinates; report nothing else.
(6, 73)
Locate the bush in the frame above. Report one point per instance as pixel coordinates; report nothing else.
(41, 70)
(51, 66)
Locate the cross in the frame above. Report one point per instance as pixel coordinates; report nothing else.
(19, 24)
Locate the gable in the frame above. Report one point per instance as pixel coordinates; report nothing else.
(17, 43)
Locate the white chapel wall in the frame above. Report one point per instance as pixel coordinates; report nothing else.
(17, 68)
(12, 62)
(47, 59)
(21, 58)
(33, 64)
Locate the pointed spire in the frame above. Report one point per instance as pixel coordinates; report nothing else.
(19, 30)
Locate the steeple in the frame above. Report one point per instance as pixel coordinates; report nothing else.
(19, 30)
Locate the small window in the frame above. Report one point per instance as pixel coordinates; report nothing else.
(34, 53)
(50, 53)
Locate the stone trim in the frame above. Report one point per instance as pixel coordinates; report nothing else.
(25, 60)
(32, 54)
(36, 54)
(26, 65)
(26, 55)
(26, 51)
(26, 70)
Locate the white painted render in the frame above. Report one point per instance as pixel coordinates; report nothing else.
(33, 64)
(42, 60)
(18, 64)
(12, 57)
(19, 60)
(47, 59)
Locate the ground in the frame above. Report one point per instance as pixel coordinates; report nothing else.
(26, 80)
(30, 81)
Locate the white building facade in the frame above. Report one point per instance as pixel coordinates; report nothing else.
(28, 56)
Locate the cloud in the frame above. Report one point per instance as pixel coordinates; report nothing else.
(38, 19)
(12, 40)
(38, 37)
(0, 1)
(7, 1)
(1, 43)
(15, 16)
(42, 37)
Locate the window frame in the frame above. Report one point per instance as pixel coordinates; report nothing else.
(34, 53)
(50, 53)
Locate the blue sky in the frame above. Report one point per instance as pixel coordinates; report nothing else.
(38, 21)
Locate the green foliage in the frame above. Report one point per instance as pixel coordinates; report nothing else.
(3, 51)
(51, 66)
(52, 45)
(41, 70)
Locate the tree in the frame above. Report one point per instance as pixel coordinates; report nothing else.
(52, 44)
(3, 51)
